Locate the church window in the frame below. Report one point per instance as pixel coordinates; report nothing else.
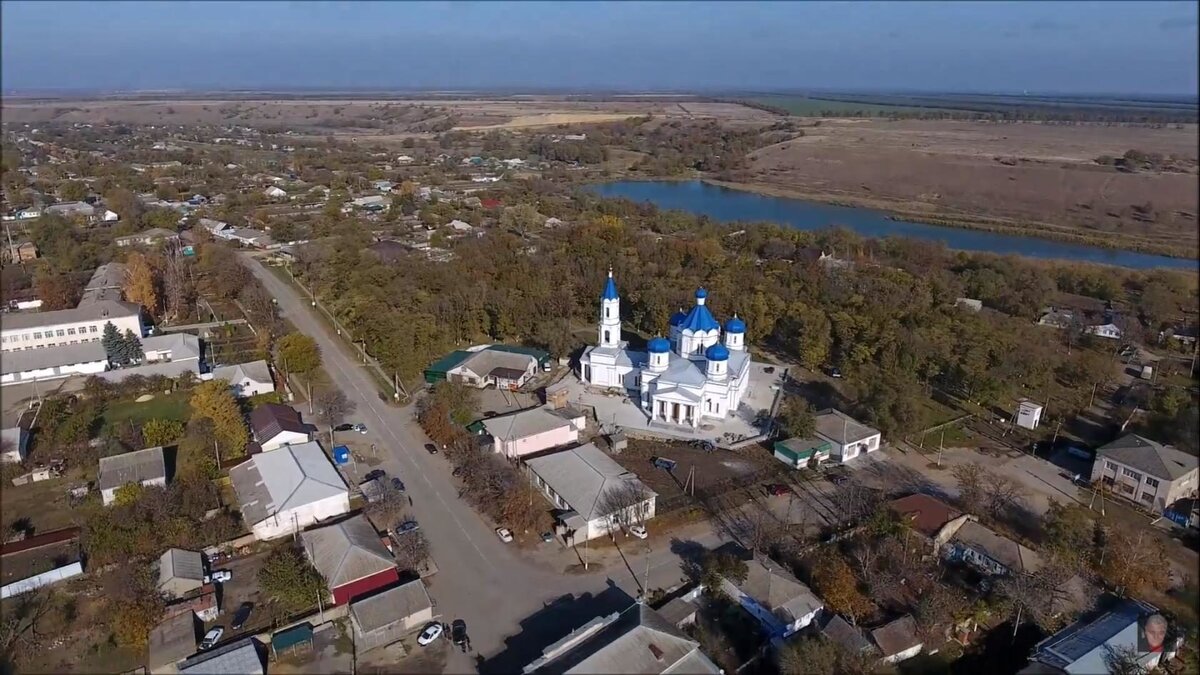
(606, 336)
(608, 312)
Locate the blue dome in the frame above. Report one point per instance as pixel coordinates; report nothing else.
(699, 320)
(735, 325)
(701, 293)
(678, 317)
(658, 345)
(610, 289)
(717, 352)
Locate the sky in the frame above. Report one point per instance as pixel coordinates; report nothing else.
(1061, 47)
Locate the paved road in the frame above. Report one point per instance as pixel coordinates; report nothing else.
(480, 579)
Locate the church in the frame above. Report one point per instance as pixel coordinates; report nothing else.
(685, 380)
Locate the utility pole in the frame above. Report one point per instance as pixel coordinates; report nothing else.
(1055, 439)
(940, 444)
(1093, 396)
(217, 454)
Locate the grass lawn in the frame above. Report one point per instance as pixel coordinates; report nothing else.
(165, 406)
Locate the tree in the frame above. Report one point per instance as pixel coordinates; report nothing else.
(56, 291)
(970, 478)
(113, 344)
(412, 549)
(622, 502)
(131, 347)
(796, 418)
(73, 191)
(1133, 563)
(332, 407)
(141, 283)
(158, 432)
(178, 288)
(1069, 534)
(718, 566)
(808, 654)
(290, 581)
(299, 354)
(214, 401)
(835, 581)
(138, 604)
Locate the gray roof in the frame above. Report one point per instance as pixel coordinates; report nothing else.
(256, 371)
(132, 467)
(1081, 644)
(637, 640)
(1165, 462)
(896, 636)
(393, 605)
(236, 658)
(1012, 555)
(212, 225)
(82, 208)
(173, 640)
(786, 596)
(170, 369)
(347, 551)
(487, 360)
(283, 479)
(106, 283)
(581, 475)
(51, 357)
(525, 423)
(182, 346)
(841, 428)
(177, 563)
(837, 629)
(103, 309)
(152, 233)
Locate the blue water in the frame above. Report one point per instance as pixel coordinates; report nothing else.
(728, 205)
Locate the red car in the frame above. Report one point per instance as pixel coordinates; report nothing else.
(777, 489)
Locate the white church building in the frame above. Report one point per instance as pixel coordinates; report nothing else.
(686, 380)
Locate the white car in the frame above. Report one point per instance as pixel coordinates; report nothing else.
(505, 534)
(211, 638)
(432, 632)
(639, 531)
(220, 577)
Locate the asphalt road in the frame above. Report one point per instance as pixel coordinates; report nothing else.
(480, 579)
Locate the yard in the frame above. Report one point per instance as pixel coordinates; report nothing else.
(172, 406)
(46, 503)
(712, 469)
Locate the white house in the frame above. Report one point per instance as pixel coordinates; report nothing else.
(247, 379)
(848, 438)
(275, 192)
(274, 425)
(67, 326)
(1106, 330)
(145, 467)
(989, 552)
(529, 431)
(1085, 646)
(779, 601)
(503, 369)
(214, 227)
(110, 216)
(596, 495)
(285, 490)
(1029, 414)
(150, 237)
(898, 641)
(52, 363)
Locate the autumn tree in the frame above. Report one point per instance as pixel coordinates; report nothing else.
(214, 401)
(56, 290)
(291, 583)
(157, 432)
(138, 605)
(142, 283)
(299, 354)
(796, 418)
(1133, 563)
(834, 581)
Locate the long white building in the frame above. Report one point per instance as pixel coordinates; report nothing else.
(67, 326)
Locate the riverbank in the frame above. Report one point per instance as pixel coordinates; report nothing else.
(1060, 233)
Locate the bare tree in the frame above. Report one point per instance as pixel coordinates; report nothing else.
(19, 635)
(177, 284)
(1122, 661)
(388, 506)
(332, 407)
(622, 502)
(411, 548)
(970, 479)
(1001, 493)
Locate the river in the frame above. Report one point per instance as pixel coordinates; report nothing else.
(728, 205)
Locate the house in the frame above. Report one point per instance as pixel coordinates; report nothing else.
(839, 631)
(151, 237)
(501, 368)
(1084, 647)
(106, 283)
(274, 425)
(1057, 318)
(73, 209)
(635, 640)
(203, 603)
(247, 236)
(1105, 330)
(682, 610)
(144, 467)
(529, 431)
(22, 252)
(404, 159)
(1148, 473)
(848, 437)
(779, 601)
(214, 227)
(989, 552)
(351, 558)
(110, 216)
(931, 519)
(800, 453)
(180, 572)
(383, 185)
(1029, 414)
(275, 192)
(1182, 333)
(15, 444)
(378, 201)
(459, 225)
(385, 617)
(898, 641)
(52, 363)
(171, 641)
(66, 326)
(969, 304)
(244, 657)
(247, 379)
(596, 495)
(171, 347)
(284, 490)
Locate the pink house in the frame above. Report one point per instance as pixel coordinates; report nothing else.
(529, 431)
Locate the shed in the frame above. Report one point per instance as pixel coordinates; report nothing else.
(384, 618)
(145, 467)
(437, 371)
(180, 572)
(236, 658)
(799, 452)
(1029, 414)
(292, 640)
(898, 640)
(171, 641)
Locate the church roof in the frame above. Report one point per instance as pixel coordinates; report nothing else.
(699, 319)
(678, 317)
(735, 325)
(717, 352)
(610, 289)
(658, 345)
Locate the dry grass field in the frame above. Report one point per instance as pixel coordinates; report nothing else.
(1029, 174)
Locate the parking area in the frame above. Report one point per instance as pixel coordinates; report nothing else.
(332, 652)
(243, 587)
(494, 401)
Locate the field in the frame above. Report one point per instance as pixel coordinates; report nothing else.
(166, 406)
(1035, 176)
(803, 106)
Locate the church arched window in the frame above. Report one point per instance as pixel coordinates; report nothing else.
(606, 336)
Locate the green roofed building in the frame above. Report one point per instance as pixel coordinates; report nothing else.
(504, 366)
(799, 452)
(295, 639)
(436, 372)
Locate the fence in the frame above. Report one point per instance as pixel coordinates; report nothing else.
(44, 579)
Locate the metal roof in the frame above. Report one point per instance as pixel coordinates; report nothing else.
(255, 371)
(24, 360)
(283, 479)
(347, 551)
(1083, 645)
(610, 288)
(177, 563)
(172, 640)
(1160, 461)
(524, 423)
(131, 467)
(268, 420)
(581, 476)
(104, 309)
(394, 605)
(236, 658)
(699, 319)
(841, 428)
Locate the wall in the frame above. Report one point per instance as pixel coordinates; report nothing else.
(285, 523)
(83, 332)
(284, 438)
(347, 592)
(530, 444)
(55, 373)
(44, 579)
(247, 388)
(109, 494)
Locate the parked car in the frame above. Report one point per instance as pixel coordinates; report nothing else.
(407, 526)
(505, 534)
(837, 478)
(707, 446)
(219, 577)
(458, 632)
(211, 638)
(432, 632)
(431, 448)
(344, 427)
(777, 489)
(663, 463)
(639, 531)
(548, 537)
(397, 484)
(242, 615)
(373, 474)
(360, 428)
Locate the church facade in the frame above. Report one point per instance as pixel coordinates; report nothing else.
(699, 372)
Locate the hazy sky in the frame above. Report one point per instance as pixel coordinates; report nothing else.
(1141, 47)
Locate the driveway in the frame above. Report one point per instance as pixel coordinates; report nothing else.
(480, 579)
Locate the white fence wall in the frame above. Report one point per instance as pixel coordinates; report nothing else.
(44, 579)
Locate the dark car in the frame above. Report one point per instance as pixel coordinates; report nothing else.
(431, 448)
(374, 473)
(777, 489)
(458, 632)
(344, 427)
(242, 615)
(407, 526)
(835, 372)
(398, 484)
(836, 478)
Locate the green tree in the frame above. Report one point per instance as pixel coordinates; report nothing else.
(214, 401)
(73, 191)
(718, 566)
(808, 654)
(796, 418)
(131, 347)
(158, 432)
(299, 354)
(290, 581)
(113, 345)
